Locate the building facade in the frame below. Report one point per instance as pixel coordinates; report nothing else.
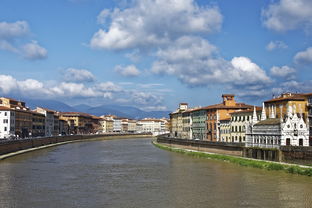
(7, 123)
(225, 130)
(198, 126)
(239, 119)
(221, 111)
(275, 132)
(38, 124)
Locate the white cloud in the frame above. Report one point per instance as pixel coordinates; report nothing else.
(34, 51)
(102, 17)
(145, 98)
(7, 46)
(272, 45)
(127, 71)
(288, 15)
(102, 92)
(134, 56)
(11, 37)
(78, 75)
(154, 23)
(7, 84)
(304, 57)
(109, 87)
(155, 108)
(12, 30)
(196, 62)
(284, 72)
(294, 86)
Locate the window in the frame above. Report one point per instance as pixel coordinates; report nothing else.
(5, 113)
(5, 128)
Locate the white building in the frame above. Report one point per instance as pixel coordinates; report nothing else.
(7, 123)
(275, 132)
(117, 125)
(49, 120)
(154, 126)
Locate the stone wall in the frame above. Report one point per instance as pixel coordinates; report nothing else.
(262, 153)
(17, 145)
(235, 149)
(288, 154)
(299, 155)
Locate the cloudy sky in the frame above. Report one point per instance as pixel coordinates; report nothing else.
(153, 54)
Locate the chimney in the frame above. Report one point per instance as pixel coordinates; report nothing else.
(228, 100)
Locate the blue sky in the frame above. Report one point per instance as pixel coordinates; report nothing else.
(153, 54)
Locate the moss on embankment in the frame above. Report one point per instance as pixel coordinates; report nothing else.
(267, 165)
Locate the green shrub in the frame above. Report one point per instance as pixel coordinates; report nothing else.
(294, 169)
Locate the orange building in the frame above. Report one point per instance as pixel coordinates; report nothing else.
(221, 111)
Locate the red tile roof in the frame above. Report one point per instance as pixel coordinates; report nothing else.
(247, 111)
(298, 97)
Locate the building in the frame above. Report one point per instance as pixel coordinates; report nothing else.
(186, 125)
(38, 124)
(176, 120)
(117, 125)
(49, 121)
(107, 123)
(56, 126)
(221, 111)
(64, 127)
(278, 106)
(80, 123)
(23, 116)
(275, 132)
(238, 123)
(7, 123)
(198, 117)
(124, 125)
(132, 126)
(225, 130)
(308, 97)
(151, 125)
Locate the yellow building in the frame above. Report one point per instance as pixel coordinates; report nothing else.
(225, 130)
(79, 123)
(278, 106)
(176, 121)
(239, 120)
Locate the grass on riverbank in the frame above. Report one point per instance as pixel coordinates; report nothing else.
(267, 165)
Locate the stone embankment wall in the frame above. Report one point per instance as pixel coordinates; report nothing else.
(262, 154)
(235, 149)
(288, 154)
(299, 155)
(17, 145)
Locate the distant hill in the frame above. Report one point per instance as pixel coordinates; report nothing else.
(50, 104)
(122, 111)
(118, 110)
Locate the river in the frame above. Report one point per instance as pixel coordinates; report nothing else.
(134, 173)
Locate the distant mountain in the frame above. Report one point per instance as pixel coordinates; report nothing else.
(50, 104)
(82, 107)
(125, 111)
(118, 110)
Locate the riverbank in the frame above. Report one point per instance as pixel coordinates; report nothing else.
(247, 162)
(17, 147)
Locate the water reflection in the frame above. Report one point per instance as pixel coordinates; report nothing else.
(133, 173)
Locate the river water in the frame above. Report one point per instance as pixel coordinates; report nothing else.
(134, 173)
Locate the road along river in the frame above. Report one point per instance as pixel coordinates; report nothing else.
(134, 173)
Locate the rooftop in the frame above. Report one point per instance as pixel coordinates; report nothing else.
(270, 121)
(287, 97)
(248, 110)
